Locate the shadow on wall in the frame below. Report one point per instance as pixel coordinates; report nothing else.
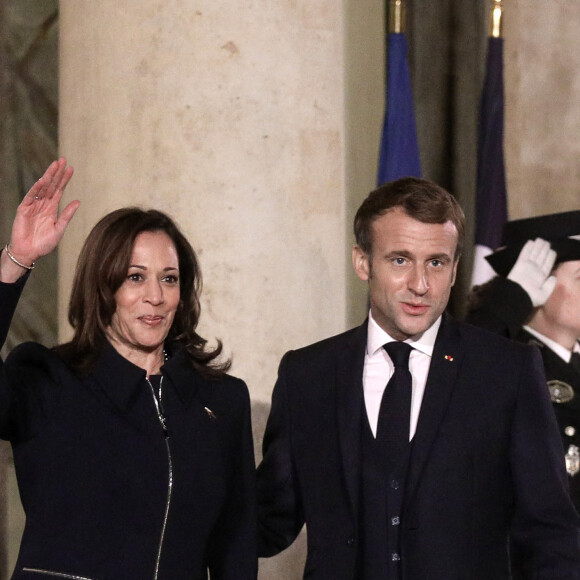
(289, 565)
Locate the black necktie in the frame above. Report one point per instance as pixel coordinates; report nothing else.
(395, 410)
(575, 361)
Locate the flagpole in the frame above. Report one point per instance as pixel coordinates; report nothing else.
(491, 191)
(496, 24)
(396, 16)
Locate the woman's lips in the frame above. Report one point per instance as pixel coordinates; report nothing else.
(151, 320)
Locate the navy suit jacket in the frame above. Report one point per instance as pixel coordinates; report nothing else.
(486, 462)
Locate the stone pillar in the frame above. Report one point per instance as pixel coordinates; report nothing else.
(542, 81)
(229, 115)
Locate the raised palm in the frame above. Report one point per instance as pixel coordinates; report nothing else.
(38, 227)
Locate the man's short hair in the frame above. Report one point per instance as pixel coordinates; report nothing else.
(420, 199)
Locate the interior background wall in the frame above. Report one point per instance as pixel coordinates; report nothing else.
(28, 143)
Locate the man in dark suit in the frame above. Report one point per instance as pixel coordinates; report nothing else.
(535, 299)
(424, 478)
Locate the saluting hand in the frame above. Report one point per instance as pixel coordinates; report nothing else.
(532, 270)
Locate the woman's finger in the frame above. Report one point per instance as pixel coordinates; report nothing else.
(54, 184)
(55, 178)
(67, 214)
(65, 178)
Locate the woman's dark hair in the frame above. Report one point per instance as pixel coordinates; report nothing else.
(102, 268)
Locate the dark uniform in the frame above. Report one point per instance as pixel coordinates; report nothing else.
(503, 307)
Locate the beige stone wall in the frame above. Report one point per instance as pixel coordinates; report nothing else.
(364, 90)
(228, 115)
(542, 81)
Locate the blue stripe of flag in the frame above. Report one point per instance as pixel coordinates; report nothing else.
(399, 155)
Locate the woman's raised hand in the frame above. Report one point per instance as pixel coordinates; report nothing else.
(38, 227)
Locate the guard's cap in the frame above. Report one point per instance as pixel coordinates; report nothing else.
(556, 228)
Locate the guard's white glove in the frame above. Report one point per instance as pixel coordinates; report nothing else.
(532, 270)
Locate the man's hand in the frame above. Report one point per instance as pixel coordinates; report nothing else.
(532, 270)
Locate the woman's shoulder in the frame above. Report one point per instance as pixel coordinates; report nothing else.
(226, 382)
(225, 387)
(30, 353)
(31, 357)
(181, 366)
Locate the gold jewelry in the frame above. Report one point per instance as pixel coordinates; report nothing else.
(31, 267)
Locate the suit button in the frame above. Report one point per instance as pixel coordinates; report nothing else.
(395, 521)
(350, 542)
(394, 484)
(395, 557)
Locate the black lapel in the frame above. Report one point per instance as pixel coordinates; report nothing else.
(443, 373)
(118, 379)
(349, 400)
(127, 383)
(185, 381)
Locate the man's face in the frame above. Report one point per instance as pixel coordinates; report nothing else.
(561, 312)
(411, 273)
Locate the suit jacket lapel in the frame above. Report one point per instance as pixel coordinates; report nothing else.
(349, 390)
(443, 372)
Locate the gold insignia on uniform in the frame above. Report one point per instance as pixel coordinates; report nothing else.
(572, 460)
(560, 392)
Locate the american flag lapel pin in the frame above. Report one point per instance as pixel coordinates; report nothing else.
(210, 413)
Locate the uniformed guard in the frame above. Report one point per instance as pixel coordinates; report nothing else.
(535, 298)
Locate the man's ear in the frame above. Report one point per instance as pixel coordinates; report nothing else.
(361, 263)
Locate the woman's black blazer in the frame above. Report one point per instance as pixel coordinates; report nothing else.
(107, 494)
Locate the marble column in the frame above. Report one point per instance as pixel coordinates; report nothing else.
(542, 80)
(229, 115)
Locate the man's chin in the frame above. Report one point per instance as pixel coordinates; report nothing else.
(416, 327)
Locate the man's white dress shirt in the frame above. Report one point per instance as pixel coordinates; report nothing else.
(378, 369)
(560, 350)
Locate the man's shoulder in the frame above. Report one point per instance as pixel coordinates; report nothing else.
(481, 338)
(352, 338)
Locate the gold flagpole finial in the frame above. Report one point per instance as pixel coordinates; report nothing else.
(396, 16)
(496, 23)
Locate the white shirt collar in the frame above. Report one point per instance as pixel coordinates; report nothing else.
(377, 337)
(561, 351)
